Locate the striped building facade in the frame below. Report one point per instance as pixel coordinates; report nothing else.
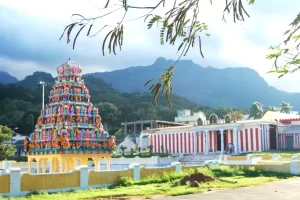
(289, 134)
(247, 136)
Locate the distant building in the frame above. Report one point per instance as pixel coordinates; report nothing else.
(185, 117)
(18, 142)
(136, 127)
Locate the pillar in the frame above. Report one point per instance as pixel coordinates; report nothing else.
(15, 181)
(61, 165)
(29, 165)
(44, 165)
(97, 162)
(38, 166)
(84, 177)
(177, 167)
(125, 128)
(235, 138)
(51, 165)
(136, 171)
(107, 164)
(222, 141)
(134, 128)
(206, 142)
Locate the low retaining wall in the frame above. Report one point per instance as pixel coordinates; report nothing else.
(16, 183)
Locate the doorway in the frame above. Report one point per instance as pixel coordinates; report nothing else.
(289, 142)
(219, 140)
(273, 137)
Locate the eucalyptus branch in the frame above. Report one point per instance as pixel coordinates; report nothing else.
(180, 23)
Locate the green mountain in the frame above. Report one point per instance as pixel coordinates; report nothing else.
(20, 103)
(234, 87)
(6, 78)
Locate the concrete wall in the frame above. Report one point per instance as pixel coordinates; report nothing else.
(16, 183)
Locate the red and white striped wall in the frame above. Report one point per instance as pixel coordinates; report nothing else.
(282, 140)
(249, 139)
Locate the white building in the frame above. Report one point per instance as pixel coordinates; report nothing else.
(185, 117)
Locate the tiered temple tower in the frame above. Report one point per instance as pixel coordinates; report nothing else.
(69, 127)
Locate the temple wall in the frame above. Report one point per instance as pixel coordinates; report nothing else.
(49, 181)
(109, 177)
(4, 183)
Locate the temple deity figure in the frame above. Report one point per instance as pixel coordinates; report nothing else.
(71, 133)
(72, 110)
(62, 91)
(77, 110)
(87, 135)
(71, 91)
(82, 95)
(51, 111)
(89, 112)
(81, 134)
(54, 111)
(82, 111)
(59, 110)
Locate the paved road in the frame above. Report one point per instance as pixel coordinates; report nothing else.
(287, 190)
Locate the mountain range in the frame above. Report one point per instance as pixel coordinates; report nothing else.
(234, 87)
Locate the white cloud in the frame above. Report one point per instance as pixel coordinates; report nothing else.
(231, 44)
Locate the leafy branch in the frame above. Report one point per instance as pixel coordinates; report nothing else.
(179, 24)
(286, 56)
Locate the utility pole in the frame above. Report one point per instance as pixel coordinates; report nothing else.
(43, 83)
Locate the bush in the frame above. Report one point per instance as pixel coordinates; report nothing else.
(125, 181)
(15, 158)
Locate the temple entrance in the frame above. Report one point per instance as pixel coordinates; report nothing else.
(219, 140)
(273, 137)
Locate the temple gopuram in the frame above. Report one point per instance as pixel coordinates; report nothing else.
(69, 130)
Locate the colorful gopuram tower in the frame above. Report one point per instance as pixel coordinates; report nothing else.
(69, 128)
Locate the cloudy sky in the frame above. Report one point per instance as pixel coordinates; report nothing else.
(30, 31)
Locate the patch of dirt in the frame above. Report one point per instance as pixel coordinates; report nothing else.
(131, 197)
(194, 180)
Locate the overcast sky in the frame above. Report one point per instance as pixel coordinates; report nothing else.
(30, 31)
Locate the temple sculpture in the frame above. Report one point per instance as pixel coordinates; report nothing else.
(69, 130)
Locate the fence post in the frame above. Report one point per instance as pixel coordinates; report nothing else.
(15, 181)
(136, 171)
(295, 167)
(84, 176)
(249, 158)
(177, 166)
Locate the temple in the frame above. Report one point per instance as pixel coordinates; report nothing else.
(69, 130)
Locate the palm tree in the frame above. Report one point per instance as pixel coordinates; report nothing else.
(256, 110)
(285, 107)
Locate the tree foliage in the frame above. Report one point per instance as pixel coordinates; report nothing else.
(285, 107)
(6, 134)
(256, 110)
(286, 55)
(178, 25)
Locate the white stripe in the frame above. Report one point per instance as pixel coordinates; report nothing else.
(175, 142)
(259, 139)
(249, 139)
(244, 140)
(167, 142)
(213, 141)
(240, 140)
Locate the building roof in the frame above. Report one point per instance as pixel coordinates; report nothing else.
(150, 121)
(291, 129)
(220, 126)
(271, 115)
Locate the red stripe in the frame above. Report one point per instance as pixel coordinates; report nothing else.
(181, 150)
(231, 135)
(154, 144)
(185, 140)
(242, 140)
(203, 142)
(210, 140)
(173, 143)
(197, 136)
(257, 143)
(177, 143)
(162, 141)
(166, 144)
(251, 139)
(158, 149)
(189, 140)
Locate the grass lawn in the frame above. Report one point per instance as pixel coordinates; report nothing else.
(278, 152)
(231, 177)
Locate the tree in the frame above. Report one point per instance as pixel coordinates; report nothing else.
(109, 114)
(286, 55)
(180, 23)
(236, 115)
(256, 110)
(6, 134)
(285, 107)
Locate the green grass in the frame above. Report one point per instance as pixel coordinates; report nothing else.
(278, 152)
(167, 184)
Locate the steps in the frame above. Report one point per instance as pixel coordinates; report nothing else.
(197, 159)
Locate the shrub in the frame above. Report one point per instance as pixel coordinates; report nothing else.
(15, 158)
(125, 181)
